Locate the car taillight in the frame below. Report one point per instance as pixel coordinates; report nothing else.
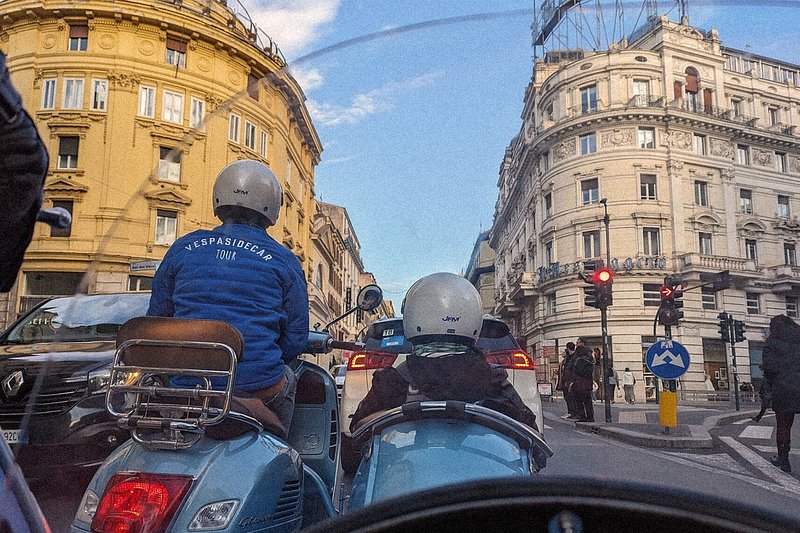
(515, 360)
(370, 360)
(139, 503)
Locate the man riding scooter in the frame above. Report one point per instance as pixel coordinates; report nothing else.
(442, 318)
(237, 273)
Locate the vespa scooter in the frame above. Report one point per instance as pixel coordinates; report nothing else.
(202, 458)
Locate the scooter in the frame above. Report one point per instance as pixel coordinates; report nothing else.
(424, 445)
(202, 458)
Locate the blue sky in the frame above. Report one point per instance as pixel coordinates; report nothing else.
(415, 125)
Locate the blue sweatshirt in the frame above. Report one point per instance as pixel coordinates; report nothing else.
(240, 275)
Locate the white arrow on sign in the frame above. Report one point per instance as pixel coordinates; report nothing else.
(667, 357)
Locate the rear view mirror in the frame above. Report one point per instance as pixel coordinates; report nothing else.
(369, 298)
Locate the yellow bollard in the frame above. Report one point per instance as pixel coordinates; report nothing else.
(668, 409)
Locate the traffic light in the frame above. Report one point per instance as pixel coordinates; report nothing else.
(587, 275)
(589, 298)
(738, 331)
(603, 282)
(669, 312)
(724, 327)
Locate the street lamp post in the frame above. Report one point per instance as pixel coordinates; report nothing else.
(604, 319)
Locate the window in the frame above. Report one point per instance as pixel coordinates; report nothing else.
(647, 138)
(701, 193)
(589, 99)
(789, 254)
(197, 110)
(709, 298)
(751, 249)
(590, 191)
(651, 294)
(147, 101)
(78, 37)
(166, 227)
(62, 232)
(545, 161)
(172, 107)
(252, 86)
(704, 244)
(781, 163)
(548, 205)
(791, 306)
(548, 253)
(738, 109)
(169, 164)
(783, 206)
(233, 128)
(176, 52)
(140, 283)
(73, 93)
(647, 186)
(99, 95)
(745, 200)
(774, 116)
(68, 152)
(551, 304)
(699, 144)
(753, 304)
(742, 154)
(250, 135)
(49, 93)
(263, 144)
(591, 244)
(651, 241)
(588, 144)
(641, 92)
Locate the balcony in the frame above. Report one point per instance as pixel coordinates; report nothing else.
(716, 263)
(786, 278)
(521, 285)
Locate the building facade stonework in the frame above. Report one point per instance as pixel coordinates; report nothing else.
(695, 150)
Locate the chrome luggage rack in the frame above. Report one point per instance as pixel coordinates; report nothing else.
(151, 353)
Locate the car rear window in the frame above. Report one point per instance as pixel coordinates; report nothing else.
(488, 344)
(386, 337)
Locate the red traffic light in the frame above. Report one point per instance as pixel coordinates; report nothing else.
(666, 292)
(604, 275)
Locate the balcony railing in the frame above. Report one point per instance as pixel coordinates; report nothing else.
(716, 262)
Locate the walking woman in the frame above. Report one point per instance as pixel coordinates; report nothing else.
(628, 381)
(782, 370)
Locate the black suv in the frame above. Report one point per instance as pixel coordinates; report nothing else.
(54, 370)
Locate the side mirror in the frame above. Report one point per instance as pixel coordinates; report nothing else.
(369, 298)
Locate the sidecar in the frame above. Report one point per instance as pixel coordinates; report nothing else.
(422, 445)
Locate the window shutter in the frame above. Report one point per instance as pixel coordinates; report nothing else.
(175, 44)
(678, 89)
(78, 31)
(691, 83)
(707, 103)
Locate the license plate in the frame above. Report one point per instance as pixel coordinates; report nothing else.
(13, 436)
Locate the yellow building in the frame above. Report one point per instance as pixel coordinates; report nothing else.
(140, 104)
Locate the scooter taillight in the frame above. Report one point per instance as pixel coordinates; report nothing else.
(515, 360)
(139, 503)
(370, 360)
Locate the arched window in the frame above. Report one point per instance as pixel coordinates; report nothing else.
(692, 89)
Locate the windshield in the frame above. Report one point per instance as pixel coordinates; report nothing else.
(524, 145)
(78, 318)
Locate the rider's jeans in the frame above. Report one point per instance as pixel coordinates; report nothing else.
(282, 404)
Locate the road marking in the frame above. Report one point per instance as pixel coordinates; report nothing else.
(756, 432)
(721, 461)
(771, 449)
(743, 421)
(547, 427)
(784, 480)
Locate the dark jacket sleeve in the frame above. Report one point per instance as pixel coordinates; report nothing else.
(161, 303)
(389, 389)
(504, 398)
(23, 167)
(295, 302)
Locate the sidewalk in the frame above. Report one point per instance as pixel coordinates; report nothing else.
(639, 423)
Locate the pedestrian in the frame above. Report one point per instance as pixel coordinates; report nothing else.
(583, 370)
(613, 380)
(765, 394)
(598, 392)
(782, 370)
(23, 167)
(565, 379)
(628, 381)
(238, 273)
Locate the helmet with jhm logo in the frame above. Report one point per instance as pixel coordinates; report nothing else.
(250, 185)
(442, 307)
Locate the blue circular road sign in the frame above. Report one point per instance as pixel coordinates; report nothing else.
(667, 359)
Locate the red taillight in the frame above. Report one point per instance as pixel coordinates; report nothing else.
(370, 360)
(139, 503)
(515, 360)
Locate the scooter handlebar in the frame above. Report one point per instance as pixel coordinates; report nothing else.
(343, 345)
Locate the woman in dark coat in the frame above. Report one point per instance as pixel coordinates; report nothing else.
(782, 370)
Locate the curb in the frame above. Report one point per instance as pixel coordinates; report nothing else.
(702, 442)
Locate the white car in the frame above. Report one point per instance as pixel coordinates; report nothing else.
(338, 373)
(385, 344)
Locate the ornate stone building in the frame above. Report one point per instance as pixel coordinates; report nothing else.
(480, 271)
(141, 103)
(695, 150)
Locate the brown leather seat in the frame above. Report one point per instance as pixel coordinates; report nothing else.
(252, 407)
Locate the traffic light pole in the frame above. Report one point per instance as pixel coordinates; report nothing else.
(606, 396)
(734, 367)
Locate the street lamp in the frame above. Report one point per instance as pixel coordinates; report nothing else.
(604, 318)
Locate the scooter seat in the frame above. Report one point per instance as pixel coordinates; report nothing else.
(232, 426)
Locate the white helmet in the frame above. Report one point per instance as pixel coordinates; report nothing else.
(442, 306)
(249, 184)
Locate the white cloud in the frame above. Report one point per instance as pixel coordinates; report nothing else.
(309, 79)
(369, 103)
(294, 25)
